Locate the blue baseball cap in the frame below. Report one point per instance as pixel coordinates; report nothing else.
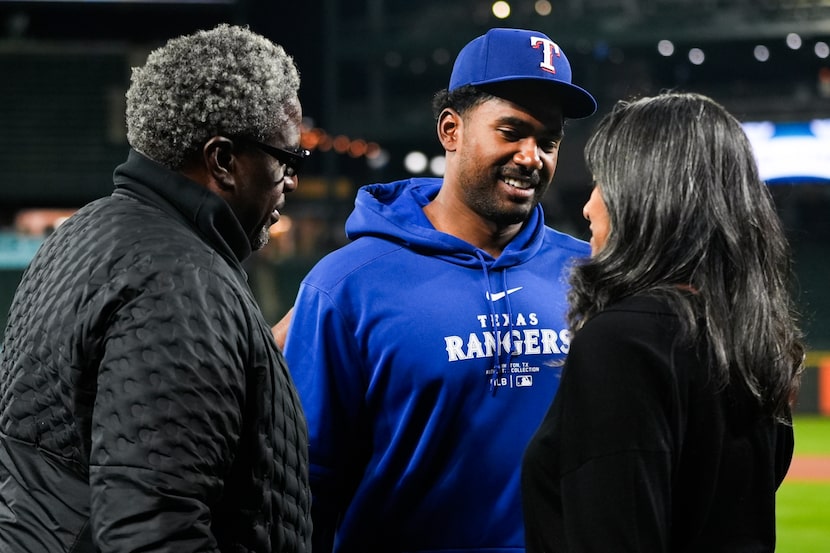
(502, 55)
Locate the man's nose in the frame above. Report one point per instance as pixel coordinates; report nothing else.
(528, 154)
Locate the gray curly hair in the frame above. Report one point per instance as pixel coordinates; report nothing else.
(228, 80)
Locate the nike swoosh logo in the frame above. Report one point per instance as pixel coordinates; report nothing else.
(499, 295)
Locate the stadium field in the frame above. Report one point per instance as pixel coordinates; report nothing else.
(803, 500)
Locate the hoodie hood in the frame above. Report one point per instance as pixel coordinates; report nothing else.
(394, 211)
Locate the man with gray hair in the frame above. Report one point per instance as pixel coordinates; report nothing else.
(144, 405)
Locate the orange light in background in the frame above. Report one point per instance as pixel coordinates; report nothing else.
(824, 82)
(357, 148)
(341, 144)
(372, 150)
(319, 139)
(311, 139)
(281, 227)
(824, 385)
(39, 222)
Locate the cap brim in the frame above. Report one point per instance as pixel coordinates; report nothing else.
(576, 102)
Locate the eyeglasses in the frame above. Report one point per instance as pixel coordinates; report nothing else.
(292, 159)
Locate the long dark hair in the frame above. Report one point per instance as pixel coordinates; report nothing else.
(688, 211)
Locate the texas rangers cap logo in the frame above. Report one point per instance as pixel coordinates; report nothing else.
(504, 55)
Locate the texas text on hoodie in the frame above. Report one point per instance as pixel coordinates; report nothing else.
(424, 366)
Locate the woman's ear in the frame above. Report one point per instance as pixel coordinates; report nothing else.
(449, 125)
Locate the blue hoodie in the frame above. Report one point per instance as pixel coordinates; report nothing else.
(418, 409)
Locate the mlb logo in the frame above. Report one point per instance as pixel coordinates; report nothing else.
(524, 380)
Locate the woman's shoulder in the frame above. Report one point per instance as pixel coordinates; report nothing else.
(634, 322)
(643, 306)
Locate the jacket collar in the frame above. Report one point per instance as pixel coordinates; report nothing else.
(187, 200)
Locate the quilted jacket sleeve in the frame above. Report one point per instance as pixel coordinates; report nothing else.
(168, 411)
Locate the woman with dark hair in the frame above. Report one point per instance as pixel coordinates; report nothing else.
(671, 430)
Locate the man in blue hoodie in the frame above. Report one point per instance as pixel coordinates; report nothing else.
(428, 349)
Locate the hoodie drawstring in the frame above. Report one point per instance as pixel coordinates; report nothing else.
(509, 352)
(498, 366)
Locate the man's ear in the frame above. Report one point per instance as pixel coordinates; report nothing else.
(220, 162)
(449, 124)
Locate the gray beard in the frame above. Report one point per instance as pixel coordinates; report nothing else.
(261, 240)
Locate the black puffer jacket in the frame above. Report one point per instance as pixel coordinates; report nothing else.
(143, 403)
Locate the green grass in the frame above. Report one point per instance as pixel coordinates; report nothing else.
(803, 508)
(812, 435)
(803, 512)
